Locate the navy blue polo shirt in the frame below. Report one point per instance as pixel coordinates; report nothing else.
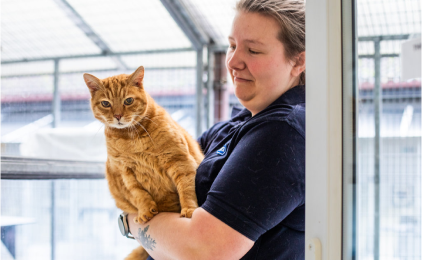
(253, 176)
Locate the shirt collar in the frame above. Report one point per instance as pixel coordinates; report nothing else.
(293, 96)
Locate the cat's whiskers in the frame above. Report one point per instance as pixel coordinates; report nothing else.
(135, 131)
(132, 127)
(142, 117)
(101, 126)
(106, 129)
(129, 130)
(137, 123)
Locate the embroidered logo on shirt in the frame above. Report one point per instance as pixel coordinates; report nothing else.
(223, 150)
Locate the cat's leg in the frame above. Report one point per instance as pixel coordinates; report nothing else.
(183, 175)
(117, 190)
(139, 197)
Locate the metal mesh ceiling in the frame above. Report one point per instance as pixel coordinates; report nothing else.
(33, 29)
(388, 17)
(43, 28)
(128, 25)
(38, 29)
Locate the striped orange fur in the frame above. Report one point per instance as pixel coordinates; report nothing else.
(152, 161)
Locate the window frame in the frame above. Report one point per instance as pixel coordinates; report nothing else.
(324, 133)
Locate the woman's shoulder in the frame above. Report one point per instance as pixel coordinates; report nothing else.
(280, 117)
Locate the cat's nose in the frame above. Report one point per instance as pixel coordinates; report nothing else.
(118, 116)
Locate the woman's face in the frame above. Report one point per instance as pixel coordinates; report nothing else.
(256, 62)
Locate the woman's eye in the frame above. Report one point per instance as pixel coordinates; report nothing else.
(128, 101)
(105, 104)
(232, 47)
(253, 52)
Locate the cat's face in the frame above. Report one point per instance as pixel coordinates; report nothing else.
(118, 101)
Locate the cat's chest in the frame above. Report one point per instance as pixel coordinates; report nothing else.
(128, 147)
(131, 156)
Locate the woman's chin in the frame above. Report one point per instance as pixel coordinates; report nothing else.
(244, 97)
(244, 93)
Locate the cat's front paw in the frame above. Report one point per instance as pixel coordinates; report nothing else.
(187, 212)
(147, 213)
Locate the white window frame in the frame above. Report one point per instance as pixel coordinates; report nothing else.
(329, 157)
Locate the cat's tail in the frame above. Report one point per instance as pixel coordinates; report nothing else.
(138, 254)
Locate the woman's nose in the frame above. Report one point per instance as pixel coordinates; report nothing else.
(235, 60)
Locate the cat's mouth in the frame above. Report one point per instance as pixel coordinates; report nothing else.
(119, 125)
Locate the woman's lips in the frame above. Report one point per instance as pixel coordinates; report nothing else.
(237, 79)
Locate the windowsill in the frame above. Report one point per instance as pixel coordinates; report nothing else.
(43, 169)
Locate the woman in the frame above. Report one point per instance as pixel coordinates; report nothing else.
(251, 184)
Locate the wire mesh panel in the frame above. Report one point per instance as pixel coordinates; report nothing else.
(389, 206)
(45, 53)
(46, 47)
(61, 219)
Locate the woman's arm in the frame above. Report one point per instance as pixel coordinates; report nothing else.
(168, 236)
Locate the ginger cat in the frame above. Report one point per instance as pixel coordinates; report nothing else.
(152, 161)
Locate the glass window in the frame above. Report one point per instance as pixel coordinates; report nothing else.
(388, 172)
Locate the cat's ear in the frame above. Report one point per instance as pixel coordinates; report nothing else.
(137, 77)
(92, 82)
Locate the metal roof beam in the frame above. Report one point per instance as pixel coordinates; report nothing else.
(379, 39)
(372, 56)
(92, 71)
(109, 54)
(193, 31)
(89, 32)
(384, 37)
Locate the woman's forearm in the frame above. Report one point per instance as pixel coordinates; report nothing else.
(167, 236)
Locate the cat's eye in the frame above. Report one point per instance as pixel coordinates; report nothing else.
(128, 101)
(105, 104)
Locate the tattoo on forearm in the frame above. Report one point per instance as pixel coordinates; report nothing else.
(147, 241)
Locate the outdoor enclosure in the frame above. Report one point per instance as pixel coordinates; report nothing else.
(63, 209)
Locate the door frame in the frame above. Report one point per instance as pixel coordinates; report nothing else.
(329, 156)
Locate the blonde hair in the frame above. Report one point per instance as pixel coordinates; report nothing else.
(290, 15)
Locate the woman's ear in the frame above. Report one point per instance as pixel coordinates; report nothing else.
(300, 64)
